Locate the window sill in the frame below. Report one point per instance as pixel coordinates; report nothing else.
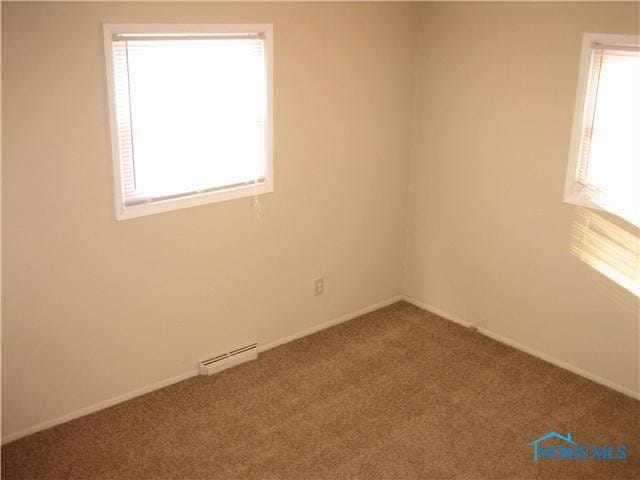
(125, 213)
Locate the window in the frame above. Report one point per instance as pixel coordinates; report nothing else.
(191, 114)
(604, 163)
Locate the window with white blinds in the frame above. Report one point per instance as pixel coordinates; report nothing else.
(604, 167)
(190, 114)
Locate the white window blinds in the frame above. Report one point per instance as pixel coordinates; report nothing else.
(609, 157)
(191, 113)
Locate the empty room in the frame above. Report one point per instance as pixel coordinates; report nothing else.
(320, 240)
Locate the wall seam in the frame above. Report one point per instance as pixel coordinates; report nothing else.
(412, 152)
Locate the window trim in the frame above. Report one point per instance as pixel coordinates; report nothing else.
(190, 199)
(575, 192)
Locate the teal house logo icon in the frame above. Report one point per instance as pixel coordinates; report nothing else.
(565, 448)
(540, 451)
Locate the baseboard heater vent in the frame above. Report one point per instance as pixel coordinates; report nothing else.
(229, 359)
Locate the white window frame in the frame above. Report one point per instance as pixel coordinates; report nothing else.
(575, 192)
(194, 199)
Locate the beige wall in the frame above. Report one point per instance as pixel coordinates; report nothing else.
(490, 240)
(95, 308)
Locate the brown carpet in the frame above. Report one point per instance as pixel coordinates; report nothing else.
(398, 393)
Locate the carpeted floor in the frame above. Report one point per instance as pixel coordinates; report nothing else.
(398, 393)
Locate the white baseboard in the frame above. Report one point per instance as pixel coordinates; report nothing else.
(441, 313)
(330, 323)
(531, 351)
(303, 333)
(98, 406)
(178, 378)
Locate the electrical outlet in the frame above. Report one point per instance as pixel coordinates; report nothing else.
(319, 286)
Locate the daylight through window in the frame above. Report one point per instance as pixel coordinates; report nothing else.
(190, 114)
(604, 169)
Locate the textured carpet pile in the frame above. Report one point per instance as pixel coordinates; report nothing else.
(395, 394)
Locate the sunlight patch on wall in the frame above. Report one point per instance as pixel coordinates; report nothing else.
(609, 249)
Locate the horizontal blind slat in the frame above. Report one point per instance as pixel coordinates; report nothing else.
(180, 37)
